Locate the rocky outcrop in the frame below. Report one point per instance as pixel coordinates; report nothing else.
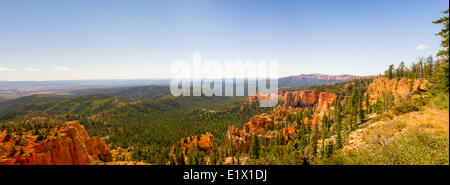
(294, 102)
(321, 99)
(400, 88)
(254, 99)
(325, 102)
(238, 138)
(204, 143)
(302, 98)
(261, 125)
(71, 146)
(308, 98)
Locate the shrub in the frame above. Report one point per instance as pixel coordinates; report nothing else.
(440, 101)
(405, 106)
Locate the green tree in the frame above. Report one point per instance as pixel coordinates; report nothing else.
(401, 70)
(255, 147)
(214, 156)
(440, 79)
(444, 34)
(338, 141)
(324, 133)
(366, 102)
(428, 69)
(361, 112)
(337, 123)
(329, 148)
(313, 142)
(413, 71)
(324, 127)
(389, 72)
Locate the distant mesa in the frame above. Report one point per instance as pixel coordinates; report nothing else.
(327, 77)
(316, 79)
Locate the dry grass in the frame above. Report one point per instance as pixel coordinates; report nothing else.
(417, 138)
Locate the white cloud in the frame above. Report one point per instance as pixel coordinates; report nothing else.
(32, 69)
(61, 68)
(421, 47)
(6, 69)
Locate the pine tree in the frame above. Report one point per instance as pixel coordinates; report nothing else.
(329, 149)
(337, 122)
(360, 109)
(338, 141)
(254, 147)
(180, 157)
(324, 126)
(200, 157)
(172, 161)
(401, 70)
(337, 112)
(389, 72)
(413, 72)
(324, 133)
(192, 156)
(441, 77)
(302, 137)
(366, 102)
(314, 140)
(429, 67)
(214, 156)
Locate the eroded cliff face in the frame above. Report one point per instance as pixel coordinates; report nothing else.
(204, 143)
(71, 146)
(304, 98)
(262, 125)
(308, 98)
(399, 87)
(253, 100)
(325, 102)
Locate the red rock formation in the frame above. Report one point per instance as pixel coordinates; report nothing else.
(322, 99)
(72, 146)
(303, 98)
(261, 125)
(281, 92)
(238, 138)
(242, 138)
(249, 102)
(294, 101)
(399, 87)
(254, 98)
(205, 144)
(289, 133)
(325, 102)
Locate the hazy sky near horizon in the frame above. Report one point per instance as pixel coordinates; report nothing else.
(112, 39)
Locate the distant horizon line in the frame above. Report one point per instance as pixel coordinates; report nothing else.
(157, 78)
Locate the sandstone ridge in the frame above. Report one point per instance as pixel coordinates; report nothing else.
(71, 146)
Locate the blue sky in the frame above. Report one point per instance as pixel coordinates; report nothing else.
(112, 39)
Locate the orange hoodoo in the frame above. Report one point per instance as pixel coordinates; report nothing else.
(72, 146)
